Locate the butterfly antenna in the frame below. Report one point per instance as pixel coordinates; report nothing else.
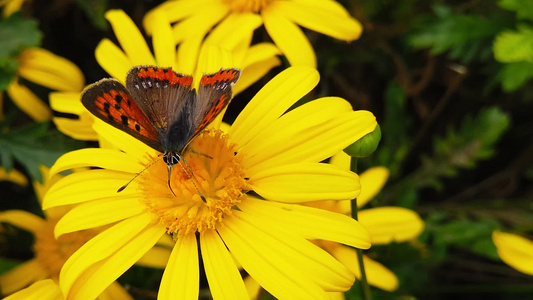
(187, 169)
(137, 175)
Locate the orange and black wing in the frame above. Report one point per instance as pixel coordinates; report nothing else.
(109, 100)
(214, 94)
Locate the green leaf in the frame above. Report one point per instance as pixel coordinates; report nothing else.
(34, 145)
(95, 10)
(514, 46)
(475, 236)
(463, 35)
(462, 148)
(515, 75)
(523, 9)
(8, 71)
(17, 34)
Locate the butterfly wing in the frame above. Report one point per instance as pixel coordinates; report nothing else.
(164, 96)
(109, 100)
(214, 94)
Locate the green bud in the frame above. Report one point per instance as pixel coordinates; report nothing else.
(365, 145)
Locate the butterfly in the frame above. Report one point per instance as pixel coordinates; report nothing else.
(160, 108)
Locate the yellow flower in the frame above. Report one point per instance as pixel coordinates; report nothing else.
(134, 51)
(49, 70)
(51, 253)
(241, 17)
(514, 250)
(274, 153)
(385, 225)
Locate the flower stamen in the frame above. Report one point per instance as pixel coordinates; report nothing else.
(218, 175)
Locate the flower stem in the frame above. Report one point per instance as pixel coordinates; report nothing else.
(365, 288)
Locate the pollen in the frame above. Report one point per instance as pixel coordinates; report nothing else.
(241, 6)
(52, 253)
(211, 167)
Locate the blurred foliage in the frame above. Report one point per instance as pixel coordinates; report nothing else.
(34, 145)
(450, 85)
(16, 34)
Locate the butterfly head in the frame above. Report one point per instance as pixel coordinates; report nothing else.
(171, 158)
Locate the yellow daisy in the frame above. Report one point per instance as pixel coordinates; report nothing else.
(281, 19)
(385, 225)
(134, 51)
(51, 253)
(49, 70)
(274, 153)
(515, 250)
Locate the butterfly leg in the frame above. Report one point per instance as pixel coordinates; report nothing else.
(187, 169)
(201, 154)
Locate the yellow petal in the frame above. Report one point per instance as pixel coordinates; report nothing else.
(23, 220)
(187, 55)
(47, 69)
(97, 279)
(514, 250)
(157, 257)
(115, 291)
(377, 274)
(272, 101)
(113, 60)
(130, 38)
(88, 185)
(304, 182)
(22, 275)
(11, 6)
(265, 251)
(253, 287)
(320, 18)
(95, 157)
(164, 46)
(260, 52)
(252, 73)
(341, 160)
(123, 141)
(271, 275)
(301, 125)
(372, 181)
(200, 23)
(300, 141)
(101, 247)
(99, 212)
(76, 129)
(175, 11)
(45, 289)
(222, 274)
(233, 29)
(310, 222)
(289, 38)
(13, 176)
(388, 224)
(69, 102)
(183, 268)
(28, 102)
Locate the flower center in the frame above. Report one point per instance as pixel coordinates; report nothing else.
(52, 253)
(247, 5)
(209, 167)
